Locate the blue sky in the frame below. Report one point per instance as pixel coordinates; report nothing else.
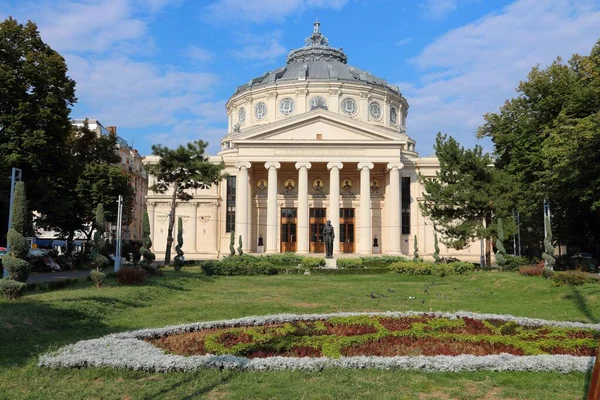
(162, 70)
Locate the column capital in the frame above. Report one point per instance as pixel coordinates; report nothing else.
(243, 164)
(393, 165)
(332, 165)
(272, 164)
(306, 165)
(363, 165)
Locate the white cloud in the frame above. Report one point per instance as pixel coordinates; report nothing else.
(473, 69)
(187, 131)
(255, 11)
(198, 54)
(437, 9)
(260, 47)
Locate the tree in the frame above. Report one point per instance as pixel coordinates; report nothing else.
(548, 254)
(35, 99)
(465, 194)
(501, 253)
(548, 139)
(179, 260)
(436, 247)
(15, 262)
(180, 169)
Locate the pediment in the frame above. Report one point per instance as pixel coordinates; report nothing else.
(319, 125)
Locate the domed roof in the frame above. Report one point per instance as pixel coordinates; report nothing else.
(316, 61)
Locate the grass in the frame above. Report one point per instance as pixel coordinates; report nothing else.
(47, 320)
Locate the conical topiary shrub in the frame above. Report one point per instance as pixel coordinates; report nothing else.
(436, 247)
(548, 254)
(178, 261)
(148, 256)
(501, 253)
(99, 260)
(416, 257)
(232, 244)
(15, 261)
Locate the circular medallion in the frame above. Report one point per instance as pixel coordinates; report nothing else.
(375, 110)
(242, 115)
(286, 106)
(347, 184)
(260, 110)
(289, 185)
(349, 106)
(318, 185)
(261, 184)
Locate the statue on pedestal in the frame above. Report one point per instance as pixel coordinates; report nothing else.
(328, 235)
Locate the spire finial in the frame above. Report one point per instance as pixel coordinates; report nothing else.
(317, 26)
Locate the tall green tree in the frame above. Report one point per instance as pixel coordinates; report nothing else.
(179, 170)
(548, 139)
(465, 195)
(35, 99)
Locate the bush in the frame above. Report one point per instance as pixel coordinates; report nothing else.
(350, 271)
(574, 278)
(349, 263)
(380, 262)
(287, 259)
(514, 262)
(151, 269)
(128, 276)
(97, 277)
(239, 265)
(462, 267)
(312, 262)
(12, 289)
(427, 268)
(532, 270)
(17, 268)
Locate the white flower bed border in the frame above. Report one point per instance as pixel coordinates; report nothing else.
(129, 350)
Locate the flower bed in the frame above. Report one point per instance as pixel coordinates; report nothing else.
(410, 340)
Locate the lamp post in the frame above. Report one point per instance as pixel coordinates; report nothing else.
(16, 176)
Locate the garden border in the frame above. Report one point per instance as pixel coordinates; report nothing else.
(129, 350)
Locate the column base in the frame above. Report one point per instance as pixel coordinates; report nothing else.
(272, 252)
(302, 252)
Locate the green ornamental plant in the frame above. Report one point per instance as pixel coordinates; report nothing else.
(416, 257)
(99, 260)
(179, 259)
(12, 289)
(501, 253)
(232, 244)
(148, 256)
(15, 262)
(548, 254)
(240, 251)
(436, 247)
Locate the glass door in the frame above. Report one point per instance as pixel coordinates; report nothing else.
(347, 230)
(289, 221)
(318, 219)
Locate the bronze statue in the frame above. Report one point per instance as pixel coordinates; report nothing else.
(328, 235)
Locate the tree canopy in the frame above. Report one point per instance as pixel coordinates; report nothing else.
(35, 99)
(179, 170)
(466, 194)
(548, 138)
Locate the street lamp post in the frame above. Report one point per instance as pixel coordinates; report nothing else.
(16, 176)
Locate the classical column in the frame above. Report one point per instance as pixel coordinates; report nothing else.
(334, 201)
(302, 228)
(365, 206)
(151, 212)
(272, 224)
(247, 245)
(241, 204)
(394, 206)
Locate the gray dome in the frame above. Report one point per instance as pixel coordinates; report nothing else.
(316, 61)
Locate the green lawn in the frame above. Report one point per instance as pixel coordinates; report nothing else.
(43, 321)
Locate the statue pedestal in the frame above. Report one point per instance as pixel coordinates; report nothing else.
(260, 249)
(330, 263)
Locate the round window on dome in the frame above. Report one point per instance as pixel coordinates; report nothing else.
(349, 106)
(393, 116)
(286, 106)
(242, 115)
(318, 102)
(375, 110)
(260, 110)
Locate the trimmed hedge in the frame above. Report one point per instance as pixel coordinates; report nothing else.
(129, 276)
(312, 262)
(381, 261)
(286, 259)
(18, 269)
(12, 289)
(349, 263)
(514, 262)
(574, 278)
(350, 271)
(427, 268)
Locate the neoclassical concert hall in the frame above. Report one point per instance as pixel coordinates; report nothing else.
(311, 141)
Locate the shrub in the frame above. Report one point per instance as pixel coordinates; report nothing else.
(148, 256)
(462, 267)
(128, 276)
(17, 268)
(350, 271)
(97, 277)
(239, 265)
(312, 262)
(348, 263)
(151, 269)
(514, 262)
(60, 284)
(12, 289)
(380, 262)
(288, 259)
(179, 260)
(573, 278)
(427, 268)
(210, 267)
(532, 270)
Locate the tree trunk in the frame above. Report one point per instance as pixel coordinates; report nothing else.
(171, 225)
(488, 243)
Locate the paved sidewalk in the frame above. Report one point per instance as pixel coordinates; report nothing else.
(41, 277)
